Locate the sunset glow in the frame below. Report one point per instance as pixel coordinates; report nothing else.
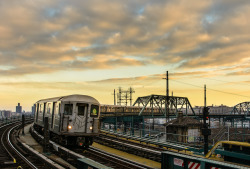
(54, 48)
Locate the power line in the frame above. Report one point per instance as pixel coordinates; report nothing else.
(225, 81)
(211, 89)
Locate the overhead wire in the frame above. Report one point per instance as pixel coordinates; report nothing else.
(211, 89)
(225, 81)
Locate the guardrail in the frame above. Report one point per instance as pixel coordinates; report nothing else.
(183, 161)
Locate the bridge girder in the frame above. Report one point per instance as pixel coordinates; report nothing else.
(174, 104)
(242, 108)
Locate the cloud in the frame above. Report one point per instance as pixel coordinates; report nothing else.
(50, 36)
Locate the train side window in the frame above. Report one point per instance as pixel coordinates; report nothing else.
(82, 108)
(94, 111)
(57, 108)
(41, 108)
(48, 108)
(68, 109)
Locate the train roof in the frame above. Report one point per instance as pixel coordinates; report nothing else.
(75, 97)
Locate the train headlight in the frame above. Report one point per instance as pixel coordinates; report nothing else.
(90, 127)
(69, 127)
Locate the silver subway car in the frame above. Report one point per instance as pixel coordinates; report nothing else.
(73, 119)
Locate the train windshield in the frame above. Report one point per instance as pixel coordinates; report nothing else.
(82, 108)
(68, 109)
(94, 111)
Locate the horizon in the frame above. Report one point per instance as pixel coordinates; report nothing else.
(56, 48)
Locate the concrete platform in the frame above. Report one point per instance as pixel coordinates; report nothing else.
(29, 140)
(131, 157)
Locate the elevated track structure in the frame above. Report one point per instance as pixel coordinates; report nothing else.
(154, 106)
(161, 106)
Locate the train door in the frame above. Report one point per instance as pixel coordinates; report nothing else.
(59, 116)
(67, 111)
(81, 116)
(53, 114)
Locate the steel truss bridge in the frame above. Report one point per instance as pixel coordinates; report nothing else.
(159, 106)
(241, 108)
(151, 105)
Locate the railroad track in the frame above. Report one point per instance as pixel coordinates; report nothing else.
(95, 154)
(15, 154)
(136, 148)
(6, 159)
(12, 155)
(112, 160)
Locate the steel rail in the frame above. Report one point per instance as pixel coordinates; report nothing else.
(2, 142)
(13, 148)
(118, 158)
(17, 152)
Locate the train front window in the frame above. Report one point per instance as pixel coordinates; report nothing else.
(94, 111)
(68, 109)
(82, 108)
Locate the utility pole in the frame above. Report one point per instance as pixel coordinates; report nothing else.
(23, 123)
(205, 130)
(205, 96)
(166, 102)
(114, 97)
(131, 90)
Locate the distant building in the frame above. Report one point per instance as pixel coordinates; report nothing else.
(222, 109)
(19, 108)
(5, 113)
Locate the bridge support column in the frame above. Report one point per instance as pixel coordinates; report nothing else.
(125, 128)
(132, 126)
(115, 125)
(143, 127)
(23, 123)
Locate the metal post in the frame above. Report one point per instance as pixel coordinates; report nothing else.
(152, 111)
(205, 130)
(46, 135)
(205, 96)
(166, 101)
(132, 128)
(143, 127)
(23, 122)
(114, 98)
(115, 124)
(244, 133)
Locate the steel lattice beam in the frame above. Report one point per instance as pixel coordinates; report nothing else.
(175, 104)
(241, 108)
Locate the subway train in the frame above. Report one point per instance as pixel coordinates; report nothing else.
(73, 120)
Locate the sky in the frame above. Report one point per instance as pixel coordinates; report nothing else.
(61, 47)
